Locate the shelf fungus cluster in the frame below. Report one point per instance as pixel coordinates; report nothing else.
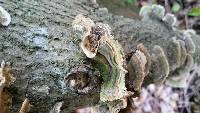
(124, 73)
(185, 48)
(5, 17)
(5, 82)
(157, 11)
(175, 57)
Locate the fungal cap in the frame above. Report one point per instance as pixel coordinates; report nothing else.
(183, 52)
(56, 108)
(170, 19)
(86, 50)
(158, 10)
(25, 106)
(178, 79)
(113, 87)
(145, 11)
(90, 43)
(155, 10)
(190, 32)
(190, 46)
(5, 17)
(175, 57)
(160, 59)
(136, 69)
(104, 29)
(5, 75)
(82, 25)
(144, 50)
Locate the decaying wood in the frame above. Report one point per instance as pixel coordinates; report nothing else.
(43, 48)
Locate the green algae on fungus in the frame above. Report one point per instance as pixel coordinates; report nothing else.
(99, 41)
(114, 87)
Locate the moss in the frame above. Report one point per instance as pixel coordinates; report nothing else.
(102, 65)
(115, 80)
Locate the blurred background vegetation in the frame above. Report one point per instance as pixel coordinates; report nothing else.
(186, 11)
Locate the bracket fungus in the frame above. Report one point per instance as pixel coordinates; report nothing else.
(56, 108)
(173, 53)
(5, 18)
(100, 45)
(153, 10)
(159, 62)
(157, 11)
(176, 55)
(138, 67)
(82, 26)
(170, 19)
(187, 49)
(83, 64)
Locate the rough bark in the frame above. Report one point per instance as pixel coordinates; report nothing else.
(41, 48)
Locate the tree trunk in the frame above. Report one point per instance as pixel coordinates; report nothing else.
(42, 48)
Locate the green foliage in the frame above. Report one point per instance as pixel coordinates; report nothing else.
(131, 2)
(176, 7)
(195, 11)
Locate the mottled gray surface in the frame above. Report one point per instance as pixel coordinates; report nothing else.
(42, 48)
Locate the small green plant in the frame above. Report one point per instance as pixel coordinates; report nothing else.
(176, 7)
(194, 11)
(131, 2)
